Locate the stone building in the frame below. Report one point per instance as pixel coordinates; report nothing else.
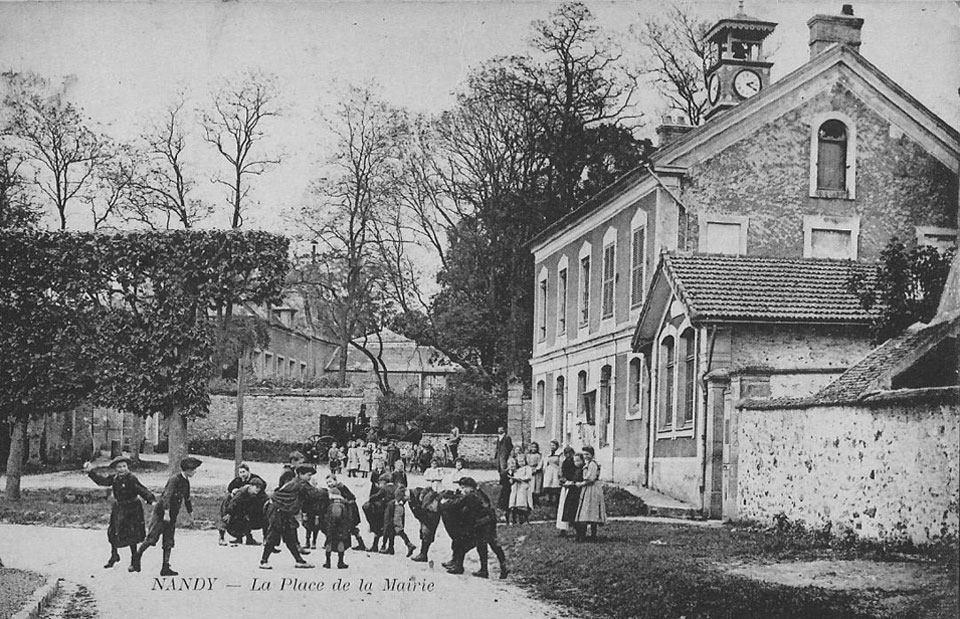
(829, 162)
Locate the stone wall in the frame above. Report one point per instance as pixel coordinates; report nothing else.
(888, 470)
(473, 447)
(276, 417)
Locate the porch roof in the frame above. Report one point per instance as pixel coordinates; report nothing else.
(724, 288)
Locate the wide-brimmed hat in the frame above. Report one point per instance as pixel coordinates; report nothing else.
(467, 481)
(306, 468)
(190, 463)
(118, 460)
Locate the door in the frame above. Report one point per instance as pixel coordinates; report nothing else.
(729, 457)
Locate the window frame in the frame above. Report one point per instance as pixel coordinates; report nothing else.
(850, 177)
(666, 382)
(705, 219)
(687, 390)
(583, 285)
(563, 283)
(841, 224)
(608, 282)
(540, 418)
(542, 291)
(925, 232)
(638, 385)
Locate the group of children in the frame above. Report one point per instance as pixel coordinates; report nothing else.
(361, 458)
(522, 484)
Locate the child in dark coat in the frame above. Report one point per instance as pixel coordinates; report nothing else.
(337, 524)
(394, 519)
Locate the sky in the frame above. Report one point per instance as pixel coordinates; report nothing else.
(126, 60)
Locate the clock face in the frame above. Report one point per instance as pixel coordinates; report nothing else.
(713, 89)
(746, 83)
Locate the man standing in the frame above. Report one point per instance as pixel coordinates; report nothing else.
(165, 514)
(504, 449)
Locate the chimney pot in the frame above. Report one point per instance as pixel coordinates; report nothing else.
(847, 9)
(829, 30)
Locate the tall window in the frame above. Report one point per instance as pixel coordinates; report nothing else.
(637, 266)
(667, 367)
(542, 310)
(581, 393)
(609, 269)
(562, 301)
(636, 384)
(606, 402)
(689, 352)
(832, 156)
(559, 400)
(584, 291)
(541, 402)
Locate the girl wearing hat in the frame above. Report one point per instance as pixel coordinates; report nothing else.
(126, 527)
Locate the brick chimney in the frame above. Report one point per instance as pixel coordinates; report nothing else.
(828, 30)
(672, 129)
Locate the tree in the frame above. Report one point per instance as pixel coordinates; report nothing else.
(17, 210)
(161, 324)
(349, 216)
(677, 58)
(54, 137)
(530, 137)
(903, 288)
(164, 185)
(234, 125)
(45, 319)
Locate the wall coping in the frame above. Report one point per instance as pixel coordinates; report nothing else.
(298, 393)
(873, 399)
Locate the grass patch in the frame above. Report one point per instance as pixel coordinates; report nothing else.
(618, 502)
(72, 507)
(641, 569)
(16, 586)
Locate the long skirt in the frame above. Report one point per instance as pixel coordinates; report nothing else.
(567, 510)
(591, 508)
(126, 524)
(536, 483)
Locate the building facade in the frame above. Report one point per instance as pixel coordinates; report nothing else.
(830, 162)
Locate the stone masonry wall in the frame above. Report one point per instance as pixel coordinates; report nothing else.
(889, 473)
(473, 447)
(290, 418)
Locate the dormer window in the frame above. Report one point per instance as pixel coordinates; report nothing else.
(833, 157)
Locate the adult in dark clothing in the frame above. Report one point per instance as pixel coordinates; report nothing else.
(126, 527)
(241, 510)
(289, 471)
(571, 473)
(453, 443)
(426, 457)
(374, 510)
(504, 449)
(282, 510)
(398, 477)
(425, 505)
(478, 511)
(165, 513)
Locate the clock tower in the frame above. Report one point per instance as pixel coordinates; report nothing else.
(736, 66)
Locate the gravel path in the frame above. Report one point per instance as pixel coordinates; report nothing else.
(15, 587)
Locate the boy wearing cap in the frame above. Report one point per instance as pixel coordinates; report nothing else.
(126, 527)
(165, 514)
(282, 510)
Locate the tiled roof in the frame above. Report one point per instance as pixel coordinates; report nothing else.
(864, 376)
(721, 287)
(874, 372)
(399, 354)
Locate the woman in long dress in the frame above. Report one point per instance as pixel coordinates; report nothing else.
(365, 452)
(520, 498)
(570, 493)
(551, 473)
(535, 462)
(591, 509)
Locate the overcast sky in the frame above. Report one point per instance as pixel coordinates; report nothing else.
(129, 58)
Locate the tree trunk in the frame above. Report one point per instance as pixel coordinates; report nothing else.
(241, 385)
(136, 438)
(342, 362)
(18, 439)
(176, 439)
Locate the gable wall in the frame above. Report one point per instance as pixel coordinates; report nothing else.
(766, 176)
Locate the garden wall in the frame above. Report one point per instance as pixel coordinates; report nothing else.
(473, 447)
(284, 416)
(887, 469)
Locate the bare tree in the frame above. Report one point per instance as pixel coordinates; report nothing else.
(347, 283)
(676, 58)
(233, 125)
(54, 137)
(164, 184)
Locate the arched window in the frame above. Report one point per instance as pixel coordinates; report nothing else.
(606, 401)
(560, 400)
(581, 393)
(667, 367)
(541, 400)
(636, 384)
(688, 383)
(832, 156)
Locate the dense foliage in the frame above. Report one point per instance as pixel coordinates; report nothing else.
(905, 287)
(461, 404)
